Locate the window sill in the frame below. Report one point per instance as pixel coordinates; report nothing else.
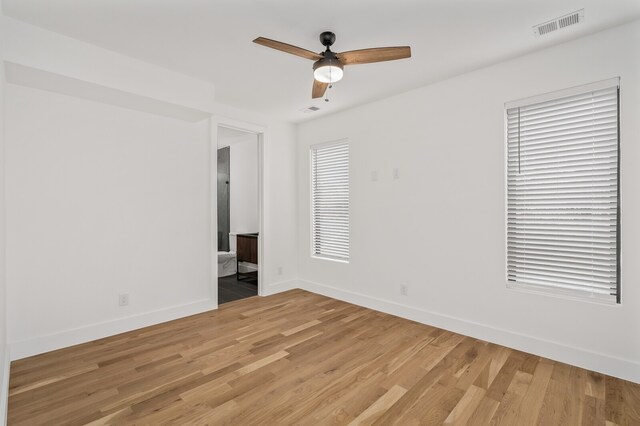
(559, 294)
(332, 259)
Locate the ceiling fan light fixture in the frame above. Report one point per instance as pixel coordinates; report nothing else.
(328, 70)
(329, 66)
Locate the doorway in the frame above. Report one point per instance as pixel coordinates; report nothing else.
(238, 213)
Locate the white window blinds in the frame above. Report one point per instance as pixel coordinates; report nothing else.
(330, 201)
(562, 191)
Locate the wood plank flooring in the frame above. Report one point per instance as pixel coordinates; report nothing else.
(301, 358)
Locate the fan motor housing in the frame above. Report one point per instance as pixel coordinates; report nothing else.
(327, 38)
(329, 59)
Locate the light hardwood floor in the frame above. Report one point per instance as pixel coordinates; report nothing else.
(301, 358)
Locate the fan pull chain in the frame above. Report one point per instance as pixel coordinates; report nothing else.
(326, 92)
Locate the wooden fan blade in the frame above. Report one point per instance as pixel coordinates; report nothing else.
(377, 54)
(284, 47)
(318, 89)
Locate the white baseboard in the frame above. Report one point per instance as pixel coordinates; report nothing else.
(279, 287)
(4, 391)
(34, 346)
(580, 357)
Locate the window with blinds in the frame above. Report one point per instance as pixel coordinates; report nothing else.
(330, 201)
(563, 217)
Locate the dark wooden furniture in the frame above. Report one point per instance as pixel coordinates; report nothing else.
(246, 251)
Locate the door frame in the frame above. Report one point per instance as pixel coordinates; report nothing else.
(262, 135)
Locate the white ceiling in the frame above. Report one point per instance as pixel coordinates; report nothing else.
(211, 40)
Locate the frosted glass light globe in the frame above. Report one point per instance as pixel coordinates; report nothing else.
(328, 74)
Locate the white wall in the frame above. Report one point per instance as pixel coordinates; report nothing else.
(4, 356)
(279, 233)
(104, 200)
(440, 228)
(38, 48)
(243, 205)
(101, 201)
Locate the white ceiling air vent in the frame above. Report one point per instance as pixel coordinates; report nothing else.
(559, 23)
(310, 109)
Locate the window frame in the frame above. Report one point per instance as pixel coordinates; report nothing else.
(312, 148)
(554, 291)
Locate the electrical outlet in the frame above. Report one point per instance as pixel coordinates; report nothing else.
(396, 173)
(279, 270)
(374, 176)
(404, 290)
(123, 299)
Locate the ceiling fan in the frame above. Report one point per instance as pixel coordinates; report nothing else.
(328, 66)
